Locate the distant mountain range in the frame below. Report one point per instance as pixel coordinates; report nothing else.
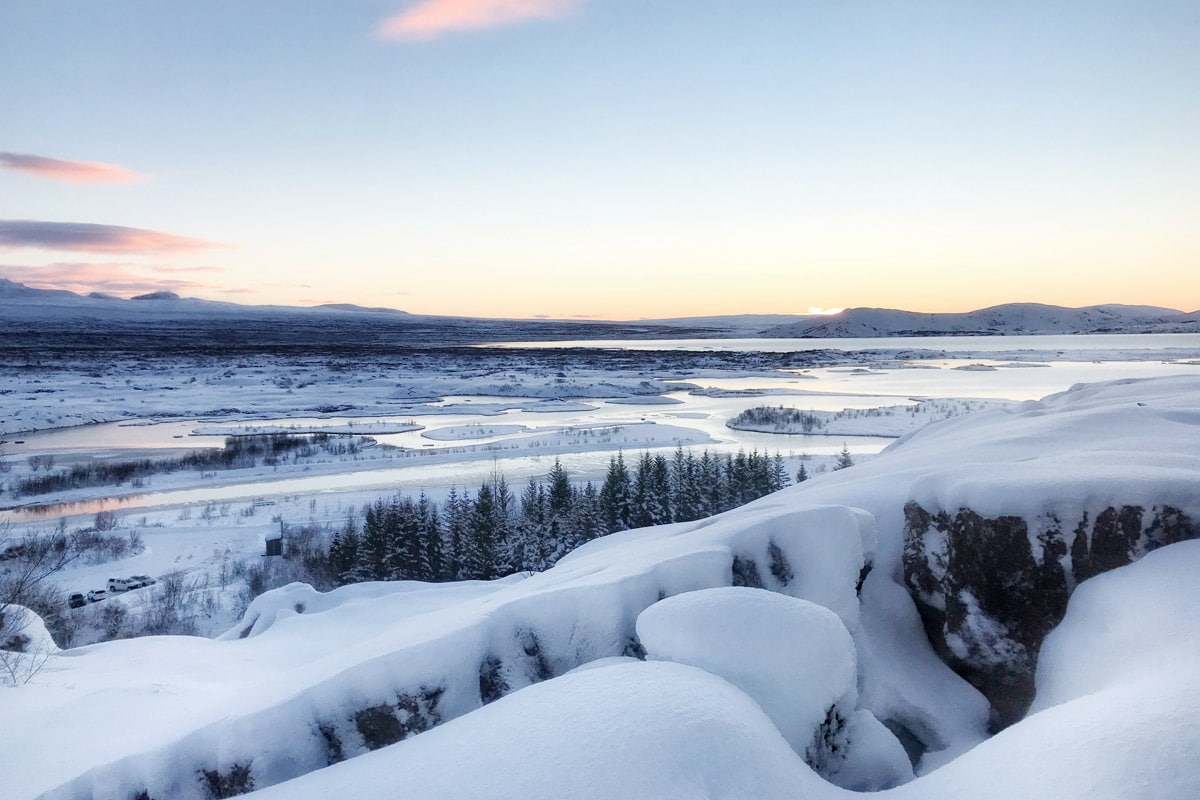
(19, 302)
(1003, 320)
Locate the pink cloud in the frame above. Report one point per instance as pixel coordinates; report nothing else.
(92, 238)
(73, 171)
(429, 19)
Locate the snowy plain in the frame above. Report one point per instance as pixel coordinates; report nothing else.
(276, 700)
(292, 675)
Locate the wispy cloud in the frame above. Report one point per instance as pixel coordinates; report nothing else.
(91, 238)
(429, 19)
(115, 278)
(73, 171)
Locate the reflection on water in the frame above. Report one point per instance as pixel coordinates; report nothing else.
(105, 436)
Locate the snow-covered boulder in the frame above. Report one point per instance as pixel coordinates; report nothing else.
(653, 730)
(795, 659)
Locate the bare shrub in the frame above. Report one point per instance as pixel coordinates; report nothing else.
(112, 619)
(25, 583)
(169, 612)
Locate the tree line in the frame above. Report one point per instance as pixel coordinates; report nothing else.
(239, 452)
(495, 531)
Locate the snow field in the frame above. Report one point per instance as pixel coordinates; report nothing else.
(443, 658)
(323, 677)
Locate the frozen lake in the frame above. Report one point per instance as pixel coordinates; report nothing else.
(463, 438)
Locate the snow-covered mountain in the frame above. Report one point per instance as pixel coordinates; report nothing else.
(22, 303)
(48, 303)
(778, 650)
(49, 312)
(1008, 319)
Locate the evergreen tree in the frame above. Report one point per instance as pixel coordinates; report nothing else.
(507, 561)
(731, 483)
(708, 484)
(561, 535)
(558, 495)
(843, 460)
(371, 563)
(801, 475)
(343, 552)
(615, 496)
(585, 516)
(406, 552)
(535, 527)
(660, 487)
(685, 490)
(640, 506)
(762, 471)
(494, 535)
(739, 481)
(779, 474)
(454, 527)
(479, 557)
(429, 539)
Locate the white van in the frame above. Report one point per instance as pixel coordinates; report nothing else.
(122, 584)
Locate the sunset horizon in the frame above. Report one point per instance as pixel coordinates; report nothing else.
(605, 159)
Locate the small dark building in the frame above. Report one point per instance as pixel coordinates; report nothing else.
(275, 544)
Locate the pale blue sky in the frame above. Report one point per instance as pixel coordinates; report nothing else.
(623, 158)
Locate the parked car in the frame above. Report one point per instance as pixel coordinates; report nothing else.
(144, 580)
(96, 595)
(122, 584)
(76, 600)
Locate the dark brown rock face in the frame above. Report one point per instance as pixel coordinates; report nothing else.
(990, 589)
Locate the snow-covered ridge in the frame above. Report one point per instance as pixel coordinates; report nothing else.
(1119, 721)
(435, 665)
(1011, 318)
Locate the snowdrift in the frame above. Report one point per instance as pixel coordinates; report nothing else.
(1117, 719)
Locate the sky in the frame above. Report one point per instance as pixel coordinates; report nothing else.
(614, 159)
